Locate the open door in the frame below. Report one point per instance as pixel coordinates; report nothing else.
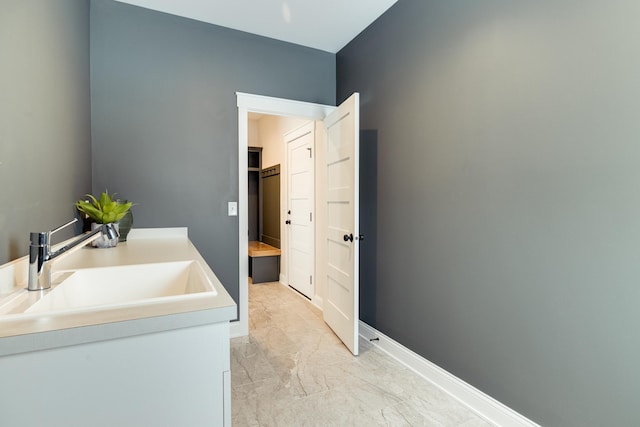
(340, 309)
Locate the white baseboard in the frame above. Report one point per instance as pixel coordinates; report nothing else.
(482, 404)
(237, 329)
(317, 301)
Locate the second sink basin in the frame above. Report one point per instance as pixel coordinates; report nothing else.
(124, 284)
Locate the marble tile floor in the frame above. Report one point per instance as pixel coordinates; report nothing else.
(293, 371)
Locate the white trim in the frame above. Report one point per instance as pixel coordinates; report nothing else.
(320, 217)
(236, 329)
(482, 404)
(318, 302)
(241, 327)
(266, 105)
(282, 107)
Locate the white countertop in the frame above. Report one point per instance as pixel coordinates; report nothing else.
(29, 332)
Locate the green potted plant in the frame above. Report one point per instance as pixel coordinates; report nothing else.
(104, 210)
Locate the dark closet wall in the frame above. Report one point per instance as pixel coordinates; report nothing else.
(164, 116)
(508, 196)
(271, 206)
(253, 210)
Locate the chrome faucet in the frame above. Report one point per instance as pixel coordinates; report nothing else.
(41, 257)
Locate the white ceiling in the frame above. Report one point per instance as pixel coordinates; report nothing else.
(321, 24)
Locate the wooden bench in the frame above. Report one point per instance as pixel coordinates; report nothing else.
(264, 262)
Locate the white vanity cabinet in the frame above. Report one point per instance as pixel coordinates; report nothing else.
(158, 362)
(174, 377)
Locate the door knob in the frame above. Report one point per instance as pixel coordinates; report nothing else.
(348, 237)
(360, 237)
(288, 221)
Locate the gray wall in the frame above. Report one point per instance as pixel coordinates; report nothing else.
(368, 223)
(45, 157)
(508, 231)
(164, 117)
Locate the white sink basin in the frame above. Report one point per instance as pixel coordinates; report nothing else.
(124, 284)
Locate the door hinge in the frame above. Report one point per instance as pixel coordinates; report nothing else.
(311, 280)
(310, 216)
(309, 152)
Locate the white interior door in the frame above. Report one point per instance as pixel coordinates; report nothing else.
(340, 309)
(300, 204)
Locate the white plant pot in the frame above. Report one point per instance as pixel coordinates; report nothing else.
(103, 241)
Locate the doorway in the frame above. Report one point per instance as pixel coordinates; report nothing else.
(282, 206)
(338, 156)
(248, 103)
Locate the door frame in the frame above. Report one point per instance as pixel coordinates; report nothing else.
(247, 103)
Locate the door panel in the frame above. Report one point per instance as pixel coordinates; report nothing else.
(340, 309)
(300, 185)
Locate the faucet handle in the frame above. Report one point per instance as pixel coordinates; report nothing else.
(73, 221)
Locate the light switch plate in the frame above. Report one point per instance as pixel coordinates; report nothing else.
(233, 208)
